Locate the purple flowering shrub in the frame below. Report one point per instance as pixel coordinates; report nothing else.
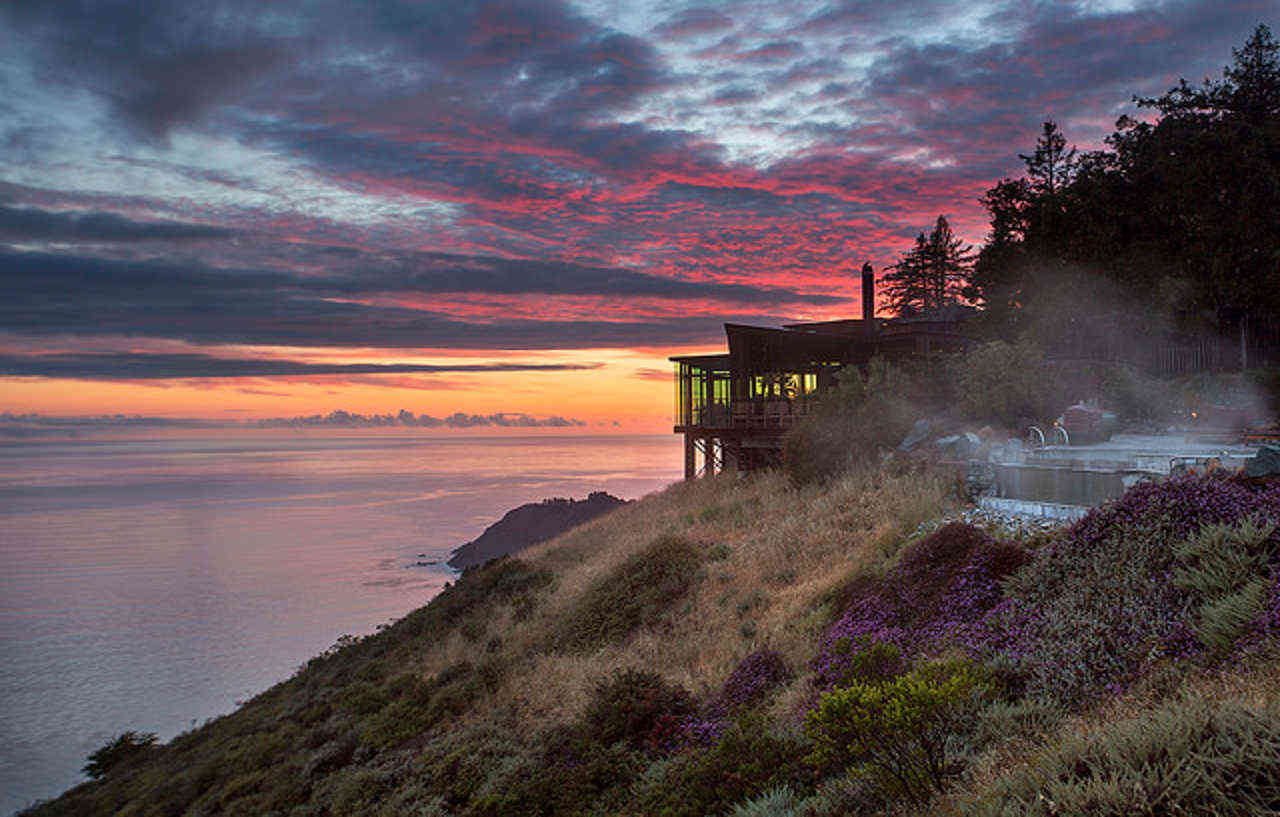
(751, 681)
(755, 677)
(1100, 603)
(933, 599)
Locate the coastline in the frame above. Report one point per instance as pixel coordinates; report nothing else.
(205, 573)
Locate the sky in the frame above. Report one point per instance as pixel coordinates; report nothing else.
(247, 209)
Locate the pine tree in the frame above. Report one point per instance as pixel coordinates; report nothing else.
(932, 274)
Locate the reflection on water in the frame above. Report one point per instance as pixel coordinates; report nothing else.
(150, 585)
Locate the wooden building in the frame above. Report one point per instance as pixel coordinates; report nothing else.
(734, 408)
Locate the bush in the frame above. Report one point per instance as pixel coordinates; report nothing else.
(1227, 570)
(933, 599)
(632, 705)
(866, 412)
(639, 593)
(127, 747)
(748, 760)
(421, 704)
(1190, 758)
(1006, 383)
(572, 773)
(1003, 720)
(460, 761)
(857, 659)
(751, 680)
(897, 730)
(1098, 605)
(1135, 396)
(779, 802)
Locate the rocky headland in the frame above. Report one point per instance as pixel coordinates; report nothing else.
(529, 524)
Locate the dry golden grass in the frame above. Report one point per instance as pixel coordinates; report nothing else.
(774, 553)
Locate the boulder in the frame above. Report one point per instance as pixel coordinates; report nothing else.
(918, 434)
(1264, 465)
(959, 446)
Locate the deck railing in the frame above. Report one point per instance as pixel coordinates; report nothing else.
(768, 413)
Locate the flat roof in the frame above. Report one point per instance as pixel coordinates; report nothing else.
(704, 361)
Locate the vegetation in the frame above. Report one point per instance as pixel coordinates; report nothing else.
(895, 731)
(1175, 217)
(127, 747)
(868, 411)
(801, 643)
(953, 672)
(1188, 757)
(931, 275)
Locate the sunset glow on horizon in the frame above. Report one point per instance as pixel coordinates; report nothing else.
(244, 211)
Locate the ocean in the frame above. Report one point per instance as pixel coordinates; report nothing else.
(152, 584)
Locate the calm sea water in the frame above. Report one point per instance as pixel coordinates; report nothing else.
(150, 585)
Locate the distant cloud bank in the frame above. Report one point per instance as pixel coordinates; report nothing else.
(20, 426)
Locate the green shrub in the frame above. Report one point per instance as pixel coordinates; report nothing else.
(363, 698)
(1226, 567)
(1134, 395)
(422, 704)
(860, 659)
(1189, 758)
(639, 593)
(749, 758)
(128, 747)
(1267, 382)
(897, 730)
(630, 705)
(844, 796)
(1006, 383)
(779, 802)
(571, 773)
(1000, 721)
(460, 761)
(868, 411)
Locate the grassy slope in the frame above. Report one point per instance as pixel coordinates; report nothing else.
(440, 712)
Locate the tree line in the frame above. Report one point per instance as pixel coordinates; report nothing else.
(1175, 224)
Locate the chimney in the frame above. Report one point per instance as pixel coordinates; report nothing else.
(868, 299)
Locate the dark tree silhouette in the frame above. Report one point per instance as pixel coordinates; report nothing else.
(1178, 214)
(933, 274)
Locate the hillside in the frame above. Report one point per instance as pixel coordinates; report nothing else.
(740, 646)
(529, 524)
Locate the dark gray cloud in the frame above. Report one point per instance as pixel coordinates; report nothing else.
(551, 143)
(26, 224)
(33, 278)
(44, 294)
(163, 64)
(149, 366)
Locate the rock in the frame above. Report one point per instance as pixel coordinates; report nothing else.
(918, 434)
(529, 524)
(959, 446)
(1266, 464)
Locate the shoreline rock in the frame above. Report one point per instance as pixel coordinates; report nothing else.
(529, 524)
